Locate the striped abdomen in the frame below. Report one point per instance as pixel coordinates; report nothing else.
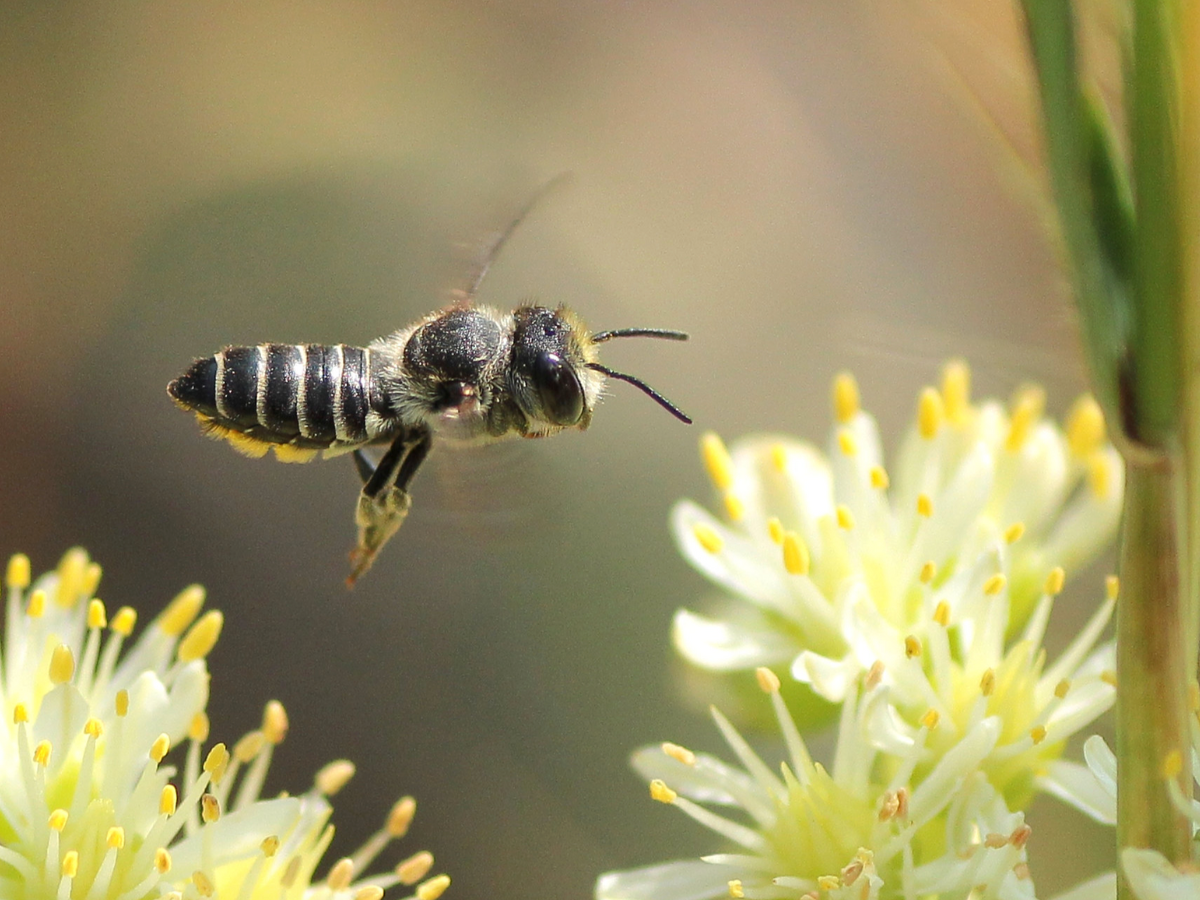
(296, 398)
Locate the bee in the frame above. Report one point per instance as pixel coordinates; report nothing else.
(464, 374)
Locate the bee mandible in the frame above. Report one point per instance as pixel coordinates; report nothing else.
(462, 374)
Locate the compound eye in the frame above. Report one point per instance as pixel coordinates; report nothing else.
(559, 389)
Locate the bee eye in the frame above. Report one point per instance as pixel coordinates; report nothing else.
(559, 389)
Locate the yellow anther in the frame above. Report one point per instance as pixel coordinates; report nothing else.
(1062, 688)
(994, 841)
(210, 808)
(274, 722)
(928, 572)
(160, 748)
(930, 719)
(124, 620)
(847, 444)
(96, 616)
(931, 412)
(290, 873)
(91, 579)
(735, 889)
(1038, 733)
(248, 746)
(203, 884)
(734, 507)
(341, 874)
(1028, 405)
(201, 637)
(874, 675)
(707, 537)
(779, 457)
(679, 754)
(368, 892)
(1020, 836)
(924, 506)
(17, 575)
(20, 713)
(168, 799)
(851, 872)
(333, 776)
(182, 611)
(400, 816)
(115, 839)
(198, 728)
(36, 608)
(269, 846)
(889, 806)
(994, 585)
(845, 518)
(717, 460)
(162, 861)
(1099, 475)
(1112, 587)
(93, 728)
(912, 647)
(433, 888)
(956, 391)
(70, 864)
(828, 882)
(660, 792)
(58, 820)
(941, 613)
(879, 478)
(1014, 532)
(1054, 581)
(795, 554)
(1172, 764)
(216, 761)
(71, 571)
(987, 684)
(1109, 677)
(1085, 427)
(845, 397)
(416, 867)
(62, 664)
(768, 681)
(775, 530)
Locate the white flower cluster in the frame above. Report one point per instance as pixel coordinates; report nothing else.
(917, 598)
(91, 805)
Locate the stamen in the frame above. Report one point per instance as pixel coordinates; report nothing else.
(879, 478)
(847, 444)
(734, 507)
(1020, 836)
(216, 761)
(341, 874)
(924, 506)
(162, 860)
(115, 839)
(71, 570)
(182, 611)
(202, 637)
(37, 605)
(124, 620)
(930, 413)
(845, 397)
(660, 792)
(795, 554)
(679, 754)
(928, 572)
(851, 872)
(1085, 427)
(62, 664)
(433, 888)
(58, 820)
(708, 538)
(1172, 764)
(1099, 475)
(845, 518)
(203, 884)
(768, 681)
(828, 882)
(735, 889)
(930, 719)
(1062, 688)
(987, 684)
(1038, 734)
(912, 647)
(160, 748)
(775, 530)
(401, 817)
(779, 458)
(956, 391)
(275, 722)
(167, 800)
(269, 846)
(1109, 677)
(1014, 532)
(91, 579)
(874, 675)
(941, 613)
(416, 867)
(20, 713)
(198, 728)
(96, 616)
(210, 808)
(17, 575)
(717, 460)
(1112, 587)
(333, 776)
(1055, 581)
(248, 746)
(369, 892)
(994, 585)
(1027, 409)
(70, 864)
(994, 841)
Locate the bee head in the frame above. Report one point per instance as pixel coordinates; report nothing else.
(556, 378)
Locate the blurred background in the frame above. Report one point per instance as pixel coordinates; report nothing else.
(803, 186)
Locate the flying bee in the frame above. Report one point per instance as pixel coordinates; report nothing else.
(463, 374)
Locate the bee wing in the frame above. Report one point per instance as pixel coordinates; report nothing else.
(495, 243)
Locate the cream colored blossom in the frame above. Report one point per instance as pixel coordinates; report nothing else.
(98, 800)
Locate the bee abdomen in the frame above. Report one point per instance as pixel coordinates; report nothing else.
(311, 396)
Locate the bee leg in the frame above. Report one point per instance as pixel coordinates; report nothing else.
(363, 465)
(384, 501)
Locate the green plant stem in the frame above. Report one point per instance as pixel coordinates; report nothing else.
(1154, 664)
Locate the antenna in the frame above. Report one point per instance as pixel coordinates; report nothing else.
(645, 388)
(665, 333)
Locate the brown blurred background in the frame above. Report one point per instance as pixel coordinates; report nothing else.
(804, 186)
